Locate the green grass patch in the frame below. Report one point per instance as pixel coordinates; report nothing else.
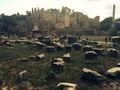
(38, 69)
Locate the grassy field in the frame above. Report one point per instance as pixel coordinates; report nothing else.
(10, 66)
(94, 38)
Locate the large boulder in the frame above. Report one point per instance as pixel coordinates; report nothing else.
(9, 44)
(116, 39)
(87, 48)
(40, 45)
(72, 39)
(113, 72)
(57, 60)
(32, 57)
(76, 46)
(68, 48)
(90, 55)
(94, 43)
(66, 86)
(88, 74)
(118, 65)
(48, 41)
(23, 75)
(67, 57)
(23, 59)
(99, 51)
(40, 56)
(50, 48)
(99, 45)
(23, 41)
(112, 53)
(84, 41)
(62, 39)
(58, 65)
(59, 47)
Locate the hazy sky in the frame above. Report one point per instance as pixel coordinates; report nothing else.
(92, 8)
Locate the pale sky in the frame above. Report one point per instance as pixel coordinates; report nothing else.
(92, 8)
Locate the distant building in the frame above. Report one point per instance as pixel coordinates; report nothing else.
(66, 18)
(59, 26)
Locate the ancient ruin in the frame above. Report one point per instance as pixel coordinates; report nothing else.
(64, 19)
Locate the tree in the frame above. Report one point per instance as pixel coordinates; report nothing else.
(113, 32)
(28, 13)
(117, 24)
(8, 23)
(105, 25)
(2, 15)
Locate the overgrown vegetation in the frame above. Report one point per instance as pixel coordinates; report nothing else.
(37, 70)
(22, 25)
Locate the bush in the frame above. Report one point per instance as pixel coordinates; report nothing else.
(113, 32)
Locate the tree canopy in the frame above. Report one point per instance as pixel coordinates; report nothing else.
(6, 22)
(105, 25)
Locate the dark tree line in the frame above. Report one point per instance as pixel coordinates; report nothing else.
(106, 25)
(13, 24)
(7, 22)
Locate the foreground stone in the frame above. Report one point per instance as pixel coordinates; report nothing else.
(88, 74)
(66, 86)
(76, 46)
(90, 55)
(87, 48)
(113, 72)
(112, 53)
(40, 56)
(58, 65)
(67, 57)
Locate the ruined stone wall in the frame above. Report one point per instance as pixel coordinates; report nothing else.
(65, 16)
